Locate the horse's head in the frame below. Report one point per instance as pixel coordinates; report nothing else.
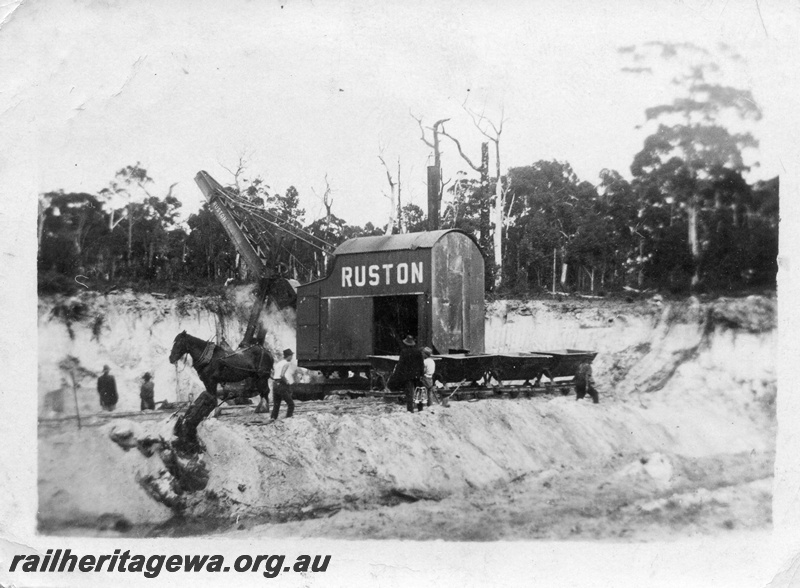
(179, 348)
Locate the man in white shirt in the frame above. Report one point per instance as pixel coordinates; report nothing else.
(282, 380)
(427, 377)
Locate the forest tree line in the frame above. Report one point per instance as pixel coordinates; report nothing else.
(687, 220)
(562, 233)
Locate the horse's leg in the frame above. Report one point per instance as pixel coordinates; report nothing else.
(212, 388)
(262, 383)
(186, 427)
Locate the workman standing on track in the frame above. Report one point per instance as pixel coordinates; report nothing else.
(427, 376)
(584, 382)
(107, 389)
(409, 370)
(282, 380)
(147, 393)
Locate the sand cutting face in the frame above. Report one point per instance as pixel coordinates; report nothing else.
(682, 441)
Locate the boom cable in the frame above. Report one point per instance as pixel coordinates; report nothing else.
(276, 221)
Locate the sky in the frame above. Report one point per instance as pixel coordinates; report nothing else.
(305, 90)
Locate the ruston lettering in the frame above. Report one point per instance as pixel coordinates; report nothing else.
(416, 272)
(361, 276)
(402, 273)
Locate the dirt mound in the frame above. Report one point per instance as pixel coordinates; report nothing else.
(612, 499)
(683, 439)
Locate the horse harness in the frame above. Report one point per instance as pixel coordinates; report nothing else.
(205, 357)
(208, 352)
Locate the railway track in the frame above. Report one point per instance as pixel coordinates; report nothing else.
(329, 397)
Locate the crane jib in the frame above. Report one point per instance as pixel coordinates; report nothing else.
(238, 236)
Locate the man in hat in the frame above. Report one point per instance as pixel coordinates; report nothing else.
(282, 380)
(147, 392)
(107, 389)
(584, 382)
(409, 370)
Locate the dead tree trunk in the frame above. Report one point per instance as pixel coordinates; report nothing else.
(130, 237)
(394, 208)
(484, 215)
(327, 202)
(497, 221)
(694, 242)
(44, 205)
(493, 132)
(435, 184)
(400, 223)
(484, 235)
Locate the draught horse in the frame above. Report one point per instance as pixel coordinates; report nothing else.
(216, 365)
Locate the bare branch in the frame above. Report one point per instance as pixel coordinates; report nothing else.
(460, 151)
(388, 173)
(434, 128)
(241, 166)
(498, 130)
(394, 215)
(481, 120)
(422, 131)
(229, 170)
(145, 190)
(326, 198)
(169, 192)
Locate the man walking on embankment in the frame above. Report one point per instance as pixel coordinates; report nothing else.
(283, 378)
(584, 382)
(409, 369)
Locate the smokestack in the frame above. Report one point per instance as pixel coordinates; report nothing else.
(433, 197)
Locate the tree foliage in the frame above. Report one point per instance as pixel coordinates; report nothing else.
(563, 234)
(688, 160)
(687, 218)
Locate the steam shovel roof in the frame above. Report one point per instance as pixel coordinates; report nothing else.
(424, 240)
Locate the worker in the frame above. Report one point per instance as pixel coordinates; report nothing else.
(107, 389)
(427, 376)
(147, 393)
(54, 400)
(409, 370)
(584, 382)
(283, 377)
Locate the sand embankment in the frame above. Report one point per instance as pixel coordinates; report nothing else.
(688, 392)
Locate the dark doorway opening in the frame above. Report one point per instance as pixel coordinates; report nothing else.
(394, 317)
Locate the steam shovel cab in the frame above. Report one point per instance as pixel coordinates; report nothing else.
(379, 289)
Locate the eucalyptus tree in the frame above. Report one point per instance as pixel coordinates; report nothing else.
(556, 223)
(703, 128)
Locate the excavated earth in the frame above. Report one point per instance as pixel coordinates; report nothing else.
(682, 442)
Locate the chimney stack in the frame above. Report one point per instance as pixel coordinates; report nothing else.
(433, 197)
